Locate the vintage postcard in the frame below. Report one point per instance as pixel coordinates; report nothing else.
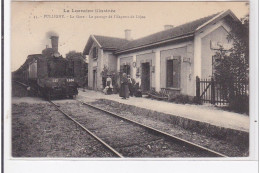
(131, 81)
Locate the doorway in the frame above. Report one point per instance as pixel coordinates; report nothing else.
(127, 69)
(145, 78)
(94, 79)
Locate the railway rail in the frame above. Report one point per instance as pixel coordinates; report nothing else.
(151, 129)
(76, 122)
(172, 137)
(88, 131)
(207, 152)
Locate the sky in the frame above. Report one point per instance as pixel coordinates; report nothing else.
(33, 22)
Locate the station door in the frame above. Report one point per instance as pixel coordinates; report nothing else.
(145, 78)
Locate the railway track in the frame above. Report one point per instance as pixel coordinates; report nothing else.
(84, 128)
(145, 130)
(89, 132)
(170, 137)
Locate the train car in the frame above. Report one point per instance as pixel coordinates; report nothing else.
(48, 74)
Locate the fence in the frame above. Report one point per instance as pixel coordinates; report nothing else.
(210, 91)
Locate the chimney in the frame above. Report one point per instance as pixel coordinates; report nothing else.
(166, 27)
(128, 34)
(54, 43)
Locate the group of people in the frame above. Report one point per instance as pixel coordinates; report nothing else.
(128, 86)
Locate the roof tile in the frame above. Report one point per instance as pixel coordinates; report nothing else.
(177, 31)
(120, 44)
(110, 42)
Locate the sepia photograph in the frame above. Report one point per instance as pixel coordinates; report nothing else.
(112, 82)
(170, 85)
(130, 80)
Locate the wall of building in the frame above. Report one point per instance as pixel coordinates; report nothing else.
(185, 57)
(155, 56)
(144, 58)
(218, 35)
(202, 52)
(111, 61)
(127, 60)
(95, 65)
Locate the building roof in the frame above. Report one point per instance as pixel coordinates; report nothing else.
(178, 32)
(185, 29)
(104, 42)
(110, 42)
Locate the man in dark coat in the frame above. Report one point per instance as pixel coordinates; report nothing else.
(124, 90)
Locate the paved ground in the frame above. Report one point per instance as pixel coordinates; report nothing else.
(203, 113)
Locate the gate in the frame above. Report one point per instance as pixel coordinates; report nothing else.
(210, 91)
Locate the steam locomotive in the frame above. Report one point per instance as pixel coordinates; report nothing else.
(48, 74)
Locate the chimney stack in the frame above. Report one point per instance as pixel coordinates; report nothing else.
(54, 43)
(166, 27)
(128, 34)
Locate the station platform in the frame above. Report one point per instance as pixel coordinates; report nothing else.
(203, 113)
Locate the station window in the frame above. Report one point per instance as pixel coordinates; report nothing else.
(173, 73)
(95, 53)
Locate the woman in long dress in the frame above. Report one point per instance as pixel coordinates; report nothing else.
(124, 90)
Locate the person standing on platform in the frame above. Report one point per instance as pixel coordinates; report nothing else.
(109, 87)
(124, 90)
(130, 85)
(138, 91)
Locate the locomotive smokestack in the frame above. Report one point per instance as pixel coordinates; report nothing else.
(54, 43)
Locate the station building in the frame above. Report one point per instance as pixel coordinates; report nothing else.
(170, 59)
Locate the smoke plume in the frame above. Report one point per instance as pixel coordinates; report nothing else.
(51, 33)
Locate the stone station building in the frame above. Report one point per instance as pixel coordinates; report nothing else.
(170, 59)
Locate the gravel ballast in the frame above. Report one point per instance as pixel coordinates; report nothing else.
(127, 138)
(39, 130)
(144, 116)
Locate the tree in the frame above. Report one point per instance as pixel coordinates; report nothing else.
(232, 66)
(75, 55)
(77, 67)
(78, 56)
